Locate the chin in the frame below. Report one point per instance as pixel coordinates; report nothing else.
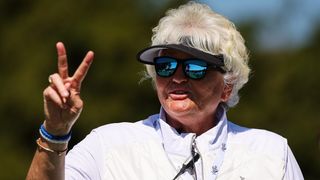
(180, 107)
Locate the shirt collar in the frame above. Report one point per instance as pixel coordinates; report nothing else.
(180, 144)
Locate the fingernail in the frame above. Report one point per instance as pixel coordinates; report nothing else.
(64, 100)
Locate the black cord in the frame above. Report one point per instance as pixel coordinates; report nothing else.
(188, 164)
(193, 153)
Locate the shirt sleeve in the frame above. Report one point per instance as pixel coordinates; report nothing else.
(293, 171)
(85, 160)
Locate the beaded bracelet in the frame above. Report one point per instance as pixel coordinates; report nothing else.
(41, 147)
(52, 138)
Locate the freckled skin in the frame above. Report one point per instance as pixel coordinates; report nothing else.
(189, 104)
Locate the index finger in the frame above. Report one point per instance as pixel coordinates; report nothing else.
(62, 61)
(82, 70)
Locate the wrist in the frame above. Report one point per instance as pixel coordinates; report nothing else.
(56, 129)
(44, 145)
(52, 138)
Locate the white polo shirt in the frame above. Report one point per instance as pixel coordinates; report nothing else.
(152, 150)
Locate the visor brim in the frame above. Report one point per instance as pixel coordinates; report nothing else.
(147, 55)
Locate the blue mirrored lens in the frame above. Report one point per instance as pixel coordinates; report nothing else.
(195, 69)
(165, 66)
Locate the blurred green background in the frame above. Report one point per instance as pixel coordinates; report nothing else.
(282, 94)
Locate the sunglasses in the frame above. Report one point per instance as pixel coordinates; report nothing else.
(193, 68)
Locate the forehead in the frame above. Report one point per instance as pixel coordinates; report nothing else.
(175, 53)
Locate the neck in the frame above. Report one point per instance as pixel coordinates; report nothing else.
(192, 124)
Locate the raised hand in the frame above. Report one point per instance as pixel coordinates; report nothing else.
(62, 102)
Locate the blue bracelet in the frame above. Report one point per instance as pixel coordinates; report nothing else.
(52, 138)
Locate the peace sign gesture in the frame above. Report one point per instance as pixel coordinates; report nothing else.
(62, 102)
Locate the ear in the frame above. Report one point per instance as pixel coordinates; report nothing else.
(226, 92)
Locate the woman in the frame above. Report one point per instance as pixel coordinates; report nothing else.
(198, 63)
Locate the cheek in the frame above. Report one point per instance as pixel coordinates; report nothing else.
(212, 90)
(160, 85)
(210, 94)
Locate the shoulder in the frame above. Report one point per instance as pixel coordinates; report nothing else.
(126, 131)
(251, 135)
(257, 140)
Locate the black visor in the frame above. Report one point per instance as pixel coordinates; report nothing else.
(147, 55)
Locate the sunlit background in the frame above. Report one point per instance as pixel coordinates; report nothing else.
(283, 37)
(279, 24)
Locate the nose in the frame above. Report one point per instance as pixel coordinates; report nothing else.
(179, 76)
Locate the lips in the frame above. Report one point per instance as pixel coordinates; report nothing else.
(178, 94)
